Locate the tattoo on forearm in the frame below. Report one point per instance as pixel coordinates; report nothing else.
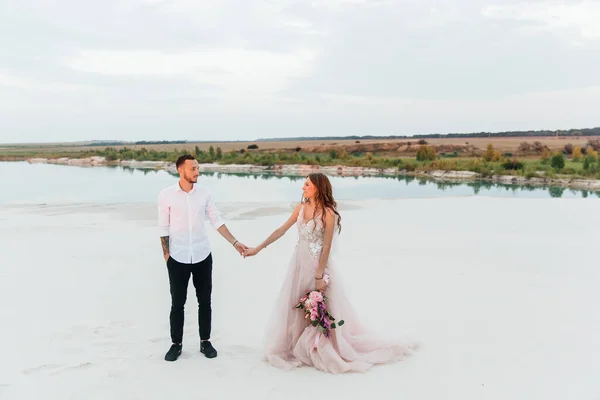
(164, 240)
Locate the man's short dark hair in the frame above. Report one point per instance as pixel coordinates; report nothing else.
(183, 158)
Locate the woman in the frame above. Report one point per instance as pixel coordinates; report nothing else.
(291, 340)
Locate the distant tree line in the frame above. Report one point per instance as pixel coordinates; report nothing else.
(540, 133)
(570, 133)
(141, 142)
(106, 144)
(144, 142)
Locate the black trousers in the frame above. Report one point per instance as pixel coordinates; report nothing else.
(179, 277)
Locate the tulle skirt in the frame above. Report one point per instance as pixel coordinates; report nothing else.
(290, 339)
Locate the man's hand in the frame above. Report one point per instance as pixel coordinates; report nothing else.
(251, 252)
(167, 255)
(240, 247)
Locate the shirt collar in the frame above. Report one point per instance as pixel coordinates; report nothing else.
(179, 189)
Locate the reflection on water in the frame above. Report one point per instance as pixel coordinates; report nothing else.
(45, 183)
(477, 187)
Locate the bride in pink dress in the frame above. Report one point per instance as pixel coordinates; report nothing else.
(291, 341)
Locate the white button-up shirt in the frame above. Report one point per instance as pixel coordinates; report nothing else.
(182, 216)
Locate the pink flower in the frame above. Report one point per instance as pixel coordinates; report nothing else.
(316, 297)
(308, 304)
(314, 314)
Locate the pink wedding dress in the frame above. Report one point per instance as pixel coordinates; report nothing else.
(290, 339)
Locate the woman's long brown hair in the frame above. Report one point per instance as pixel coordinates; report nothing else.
(324, 197)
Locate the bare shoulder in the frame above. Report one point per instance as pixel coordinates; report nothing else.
(329, 212)
(296, 210)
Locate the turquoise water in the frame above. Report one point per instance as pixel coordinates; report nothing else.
(21, 182)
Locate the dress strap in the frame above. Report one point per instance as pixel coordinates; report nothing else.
(301, 214)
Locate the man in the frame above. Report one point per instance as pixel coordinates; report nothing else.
(182, 211)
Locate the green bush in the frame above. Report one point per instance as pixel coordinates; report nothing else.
(410, 167)
(557, 161)
(426, 153)
(512, 165)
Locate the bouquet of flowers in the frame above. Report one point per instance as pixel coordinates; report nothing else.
(314, 304)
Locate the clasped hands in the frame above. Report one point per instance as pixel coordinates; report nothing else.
(249, 252)
(244, 250)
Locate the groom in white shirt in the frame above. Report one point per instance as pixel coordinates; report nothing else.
(183, 209)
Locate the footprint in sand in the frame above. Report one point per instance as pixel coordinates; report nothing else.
(53, 369)
(72, 367)
(41, 368)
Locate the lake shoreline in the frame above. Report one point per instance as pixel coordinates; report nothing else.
(339, 170)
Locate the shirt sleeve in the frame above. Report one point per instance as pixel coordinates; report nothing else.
(213, 213)
(163, 215)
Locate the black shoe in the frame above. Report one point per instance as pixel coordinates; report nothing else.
(207, 349)
(173, 353)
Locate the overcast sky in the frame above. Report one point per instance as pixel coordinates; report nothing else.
(245, 69)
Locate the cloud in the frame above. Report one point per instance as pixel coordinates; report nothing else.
(15, 82)
(238, 69)
(234, 70)
(579, 19)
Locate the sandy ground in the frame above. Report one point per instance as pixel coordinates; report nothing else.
(502, 294)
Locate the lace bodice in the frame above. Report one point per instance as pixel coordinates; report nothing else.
(312, 232)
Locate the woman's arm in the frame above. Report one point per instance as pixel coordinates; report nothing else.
(277, 233)
(327, 239)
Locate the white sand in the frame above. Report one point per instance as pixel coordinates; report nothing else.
(503, 294)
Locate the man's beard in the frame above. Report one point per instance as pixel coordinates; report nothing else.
(191, 180)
